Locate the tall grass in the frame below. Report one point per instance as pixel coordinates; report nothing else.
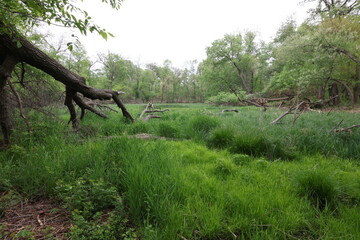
(214, 182)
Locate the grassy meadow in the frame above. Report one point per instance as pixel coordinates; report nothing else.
(210, 176)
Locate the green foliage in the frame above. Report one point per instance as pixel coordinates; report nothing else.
(29, 13)
(224, 98)
(231, 63)
(97, 210)
(88, 196)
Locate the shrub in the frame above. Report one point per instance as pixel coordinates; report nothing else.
(221, 138)
(88, 196)
(317, 186)
(224, 98)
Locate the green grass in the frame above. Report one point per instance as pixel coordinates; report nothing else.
(224, 175)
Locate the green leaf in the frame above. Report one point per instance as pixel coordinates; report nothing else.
(103, 35)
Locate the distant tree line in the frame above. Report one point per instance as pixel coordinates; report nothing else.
(319, 60)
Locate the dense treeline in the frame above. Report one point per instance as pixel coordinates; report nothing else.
(319, 60)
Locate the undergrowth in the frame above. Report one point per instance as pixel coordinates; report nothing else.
(214, 176)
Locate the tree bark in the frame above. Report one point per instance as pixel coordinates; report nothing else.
(334, 94)
(6, 68)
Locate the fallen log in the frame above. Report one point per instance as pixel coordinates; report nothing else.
(148, 117)
(347, 129)
(153, 110)
(229, 110)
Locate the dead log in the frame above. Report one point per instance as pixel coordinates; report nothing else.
(347, 129)
(157, 111)
(148, 117)
(229, 110)
(149, 105)
(153, 110)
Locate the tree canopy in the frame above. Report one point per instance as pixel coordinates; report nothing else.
(24, 13)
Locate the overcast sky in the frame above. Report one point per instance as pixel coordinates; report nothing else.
(180, 30)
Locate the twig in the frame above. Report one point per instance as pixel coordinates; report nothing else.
(39, 221)
(21, 109)
(182, 237)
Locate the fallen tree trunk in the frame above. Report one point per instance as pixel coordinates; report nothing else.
(347, 129)
(229, 110)
(15, 49)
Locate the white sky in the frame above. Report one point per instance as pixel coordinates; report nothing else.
(180, 30)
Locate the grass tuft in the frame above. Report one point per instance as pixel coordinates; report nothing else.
(319, 187)
(221, 138)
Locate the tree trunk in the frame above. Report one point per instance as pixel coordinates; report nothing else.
(321, 93)
(7, 66)
(334, 94)
(356, 89)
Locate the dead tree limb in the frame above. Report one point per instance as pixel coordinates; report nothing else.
(20, 105)
(348, 129)
(70, 93)
(337, 125)
(149, 105)
(289, 111)
(148, 117)
(99, 105)
(80, 102)
(283, 115)
(296, 115)
(229, 110)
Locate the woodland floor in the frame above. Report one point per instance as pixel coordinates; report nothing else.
(41, 219)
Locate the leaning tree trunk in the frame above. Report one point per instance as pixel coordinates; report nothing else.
(8, 62)
(15, 48)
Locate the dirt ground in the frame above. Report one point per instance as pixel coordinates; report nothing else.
(41, 219)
